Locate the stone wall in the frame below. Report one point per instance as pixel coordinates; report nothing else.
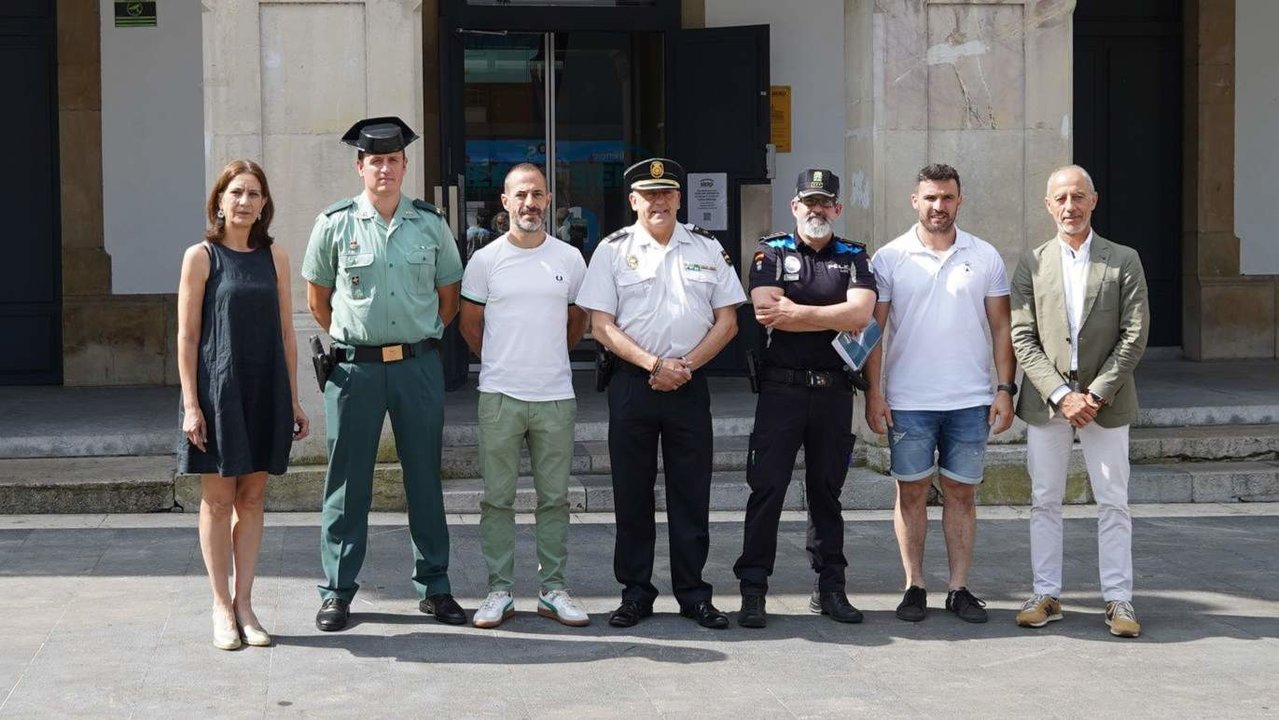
(106, 339)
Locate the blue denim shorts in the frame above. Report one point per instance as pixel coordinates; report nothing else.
(921, 441)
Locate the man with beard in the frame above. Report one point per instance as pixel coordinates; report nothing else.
(663, 298)
(519, 319)
(806, 287)
(940, 290)
(382, 277)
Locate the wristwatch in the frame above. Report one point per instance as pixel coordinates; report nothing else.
(1010, 388)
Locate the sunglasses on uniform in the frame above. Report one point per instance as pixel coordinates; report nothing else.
(818, 201)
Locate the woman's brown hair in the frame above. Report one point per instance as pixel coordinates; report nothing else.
(258, 236)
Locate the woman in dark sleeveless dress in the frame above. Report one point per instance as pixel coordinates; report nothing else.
(237, 360)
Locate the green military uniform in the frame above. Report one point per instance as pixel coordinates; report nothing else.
(384, 278)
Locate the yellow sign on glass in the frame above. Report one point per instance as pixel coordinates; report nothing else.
(779, 114)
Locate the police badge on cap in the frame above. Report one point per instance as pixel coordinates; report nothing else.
(380, 135)
(654, 174)
(817, 181)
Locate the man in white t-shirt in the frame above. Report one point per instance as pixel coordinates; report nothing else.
(519, 317)
(941, 291)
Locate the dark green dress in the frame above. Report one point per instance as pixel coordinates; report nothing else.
(242, 381)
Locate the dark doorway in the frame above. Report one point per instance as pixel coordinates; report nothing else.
(1128, 134)
(31, 295)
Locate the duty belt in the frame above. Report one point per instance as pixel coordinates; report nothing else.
(807, 378)
(384, 353)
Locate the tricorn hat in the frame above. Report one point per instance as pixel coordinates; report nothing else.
(380, 135)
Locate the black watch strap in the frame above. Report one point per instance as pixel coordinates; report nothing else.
(1010, 388)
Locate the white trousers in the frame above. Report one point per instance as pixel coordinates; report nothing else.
(1106, 456)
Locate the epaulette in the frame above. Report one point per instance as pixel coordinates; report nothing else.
(774, 236)
(779, 240)
(618, 235)
(700, 231)
(338, 206)
(428, 207)
(844, 245)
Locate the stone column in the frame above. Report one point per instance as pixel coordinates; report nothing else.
(983, 86)
(1225, 314)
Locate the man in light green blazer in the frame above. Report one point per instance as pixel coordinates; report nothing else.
(1080, 318)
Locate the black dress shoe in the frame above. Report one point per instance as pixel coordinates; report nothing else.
(705, 614)
(752, 614)
(333, 614)
(444, 608)
(836, 605)
(629, 613)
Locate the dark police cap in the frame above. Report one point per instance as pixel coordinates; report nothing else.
(654, 174)
(816, 181)
(380, 135)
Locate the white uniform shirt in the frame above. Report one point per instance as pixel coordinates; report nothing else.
(526, 293)
(939, 355)
(663, 298)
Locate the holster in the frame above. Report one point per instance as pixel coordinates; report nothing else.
(605, 365)
(322, 360)
(857, 378)
(752, 370)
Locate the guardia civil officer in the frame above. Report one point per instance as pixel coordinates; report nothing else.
(382, 276)
(663, 298)
(806, 285)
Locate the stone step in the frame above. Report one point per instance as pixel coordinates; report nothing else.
(1145, 445)
(87, 485)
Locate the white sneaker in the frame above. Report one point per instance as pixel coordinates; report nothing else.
(498, 606)
(560, 605)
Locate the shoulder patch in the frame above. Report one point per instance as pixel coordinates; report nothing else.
(700, 231)
(428, 207)
(618, 235)
(853, 247)
(779, 240)
(338, 206)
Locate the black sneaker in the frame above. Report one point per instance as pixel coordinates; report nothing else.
(752, 614)
(967, 606)
(914, 604)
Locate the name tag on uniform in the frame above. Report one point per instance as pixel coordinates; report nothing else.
(697, 267)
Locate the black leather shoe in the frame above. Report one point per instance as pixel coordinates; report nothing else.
(752, 614)
(836, 605)
(966, 605)
(914, 605)
(705, 614)
(333, 614)
(629, 613)
(444, 608)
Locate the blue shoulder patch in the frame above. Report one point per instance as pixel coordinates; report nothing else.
(785, 241)
(848, 247)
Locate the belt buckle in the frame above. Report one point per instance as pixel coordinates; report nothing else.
(816, 379)
(392, 353)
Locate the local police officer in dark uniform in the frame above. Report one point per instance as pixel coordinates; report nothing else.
(664, 299)
(806, 285)
(382, 275)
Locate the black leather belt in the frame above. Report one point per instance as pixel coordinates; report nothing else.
(630, 369)
(384, 353)
(807, 378)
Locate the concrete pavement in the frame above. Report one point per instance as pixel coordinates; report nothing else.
(106, 616)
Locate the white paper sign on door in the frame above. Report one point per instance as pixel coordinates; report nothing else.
(707, 198)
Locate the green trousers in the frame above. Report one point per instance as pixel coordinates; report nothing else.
(357, 399)
(505, 425)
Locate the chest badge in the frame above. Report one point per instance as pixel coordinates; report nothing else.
(632, 262)
(354, 244)
(355, 281)
(791, 264)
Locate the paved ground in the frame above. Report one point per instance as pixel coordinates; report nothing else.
(107, 616)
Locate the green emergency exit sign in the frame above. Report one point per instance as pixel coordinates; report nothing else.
(131, 13)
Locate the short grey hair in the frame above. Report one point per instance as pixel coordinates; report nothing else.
(1091, 185)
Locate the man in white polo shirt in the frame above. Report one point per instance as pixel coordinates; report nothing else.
(519, 317)
(941, 291)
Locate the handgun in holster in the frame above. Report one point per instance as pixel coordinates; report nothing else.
(605, 364)
(857, 378)
(322, 360)
(752, 370)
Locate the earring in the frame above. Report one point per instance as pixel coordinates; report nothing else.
(219, 214)
(259, 217)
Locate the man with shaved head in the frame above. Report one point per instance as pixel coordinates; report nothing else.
(1080, 317)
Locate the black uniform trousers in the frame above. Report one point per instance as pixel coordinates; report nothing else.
(786, 417)
(638, 419)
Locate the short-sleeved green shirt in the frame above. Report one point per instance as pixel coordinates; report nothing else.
(384, 276)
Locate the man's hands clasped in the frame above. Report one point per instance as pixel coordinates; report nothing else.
(671, 374)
